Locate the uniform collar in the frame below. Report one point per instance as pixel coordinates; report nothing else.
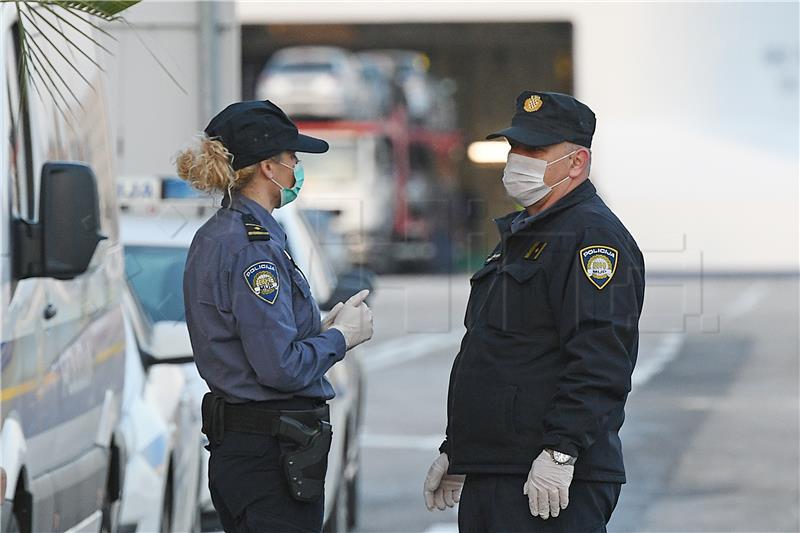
(243, 204)
(520, 220)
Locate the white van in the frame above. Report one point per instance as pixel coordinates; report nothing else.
(61, 266)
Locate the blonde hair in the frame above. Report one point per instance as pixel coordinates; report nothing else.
(207, 167)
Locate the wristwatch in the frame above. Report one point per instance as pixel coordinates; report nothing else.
(561, 458)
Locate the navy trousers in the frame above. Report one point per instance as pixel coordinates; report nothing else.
(249, 490)
(493, 503)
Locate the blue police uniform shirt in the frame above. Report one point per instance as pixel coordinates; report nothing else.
(254, 325)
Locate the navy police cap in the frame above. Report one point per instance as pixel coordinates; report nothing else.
(543, 118)
(255, 130)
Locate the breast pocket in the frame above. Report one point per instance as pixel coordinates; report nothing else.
(480, 284)
(519, 299)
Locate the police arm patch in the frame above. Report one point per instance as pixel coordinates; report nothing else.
(599, 263)
(262, 278)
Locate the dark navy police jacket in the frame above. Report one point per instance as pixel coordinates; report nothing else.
(253, 323)
(551, 342)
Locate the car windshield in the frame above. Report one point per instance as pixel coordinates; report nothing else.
(303, 67)
(155, 275)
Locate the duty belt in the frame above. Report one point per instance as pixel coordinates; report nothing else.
(304, 436)
(219, 415)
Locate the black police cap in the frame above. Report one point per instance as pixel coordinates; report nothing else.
(543, 118)
(256, 130)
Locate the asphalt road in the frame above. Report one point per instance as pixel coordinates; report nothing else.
(711, 437)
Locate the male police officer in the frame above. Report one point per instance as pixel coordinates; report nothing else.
(539, 385)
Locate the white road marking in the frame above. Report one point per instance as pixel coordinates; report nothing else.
(747, 300)
(647, 367)
(403, 349)
(668, 348)
(670, 344)
(405, 442)
(443, 528)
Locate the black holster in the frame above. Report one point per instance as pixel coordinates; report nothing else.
(304, 456)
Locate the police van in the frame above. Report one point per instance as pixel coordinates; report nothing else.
(61, 266)
(160, 217)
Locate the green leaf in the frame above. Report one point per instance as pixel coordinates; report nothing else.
(34, 60)
(104, 10)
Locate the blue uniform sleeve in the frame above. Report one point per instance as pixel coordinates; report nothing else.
(261, 285)
(598, 323)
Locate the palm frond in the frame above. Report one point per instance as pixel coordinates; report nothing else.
(155, 58)
(61, 18)
(79, 17)
(36, 22)
(108, 11)
(36, 53)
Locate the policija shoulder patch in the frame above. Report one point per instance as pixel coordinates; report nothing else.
(262, 278)
(599, 263)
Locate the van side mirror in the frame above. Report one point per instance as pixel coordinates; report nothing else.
(62, 243)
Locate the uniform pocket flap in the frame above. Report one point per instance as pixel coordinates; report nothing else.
(521, 272)
(483, 272)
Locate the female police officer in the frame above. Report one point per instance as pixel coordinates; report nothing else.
(255, 328)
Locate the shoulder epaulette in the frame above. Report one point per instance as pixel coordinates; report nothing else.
(255, 231)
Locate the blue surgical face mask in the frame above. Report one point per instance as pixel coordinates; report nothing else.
(289, 194)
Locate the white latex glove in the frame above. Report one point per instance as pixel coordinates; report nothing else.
(354, 320)
(331, 316)
(547, 486)
(442, 489)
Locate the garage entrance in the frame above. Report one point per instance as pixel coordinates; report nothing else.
(489, 63)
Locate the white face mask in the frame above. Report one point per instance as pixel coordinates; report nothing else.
(523, 178)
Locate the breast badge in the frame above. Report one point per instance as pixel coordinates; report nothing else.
(262, 278)
(599, 263)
